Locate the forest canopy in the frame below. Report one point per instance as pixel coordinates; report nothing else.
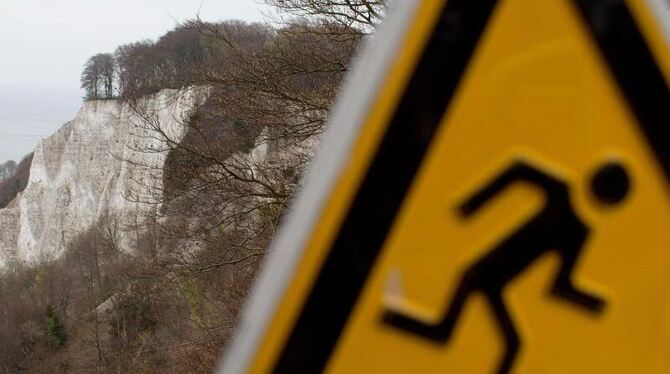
(189, 54)
(178, 59)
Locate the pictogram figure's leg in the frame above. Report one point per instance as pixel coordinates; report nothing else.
(512, 341)
(555, 228)
(442, 331)
(564, 286)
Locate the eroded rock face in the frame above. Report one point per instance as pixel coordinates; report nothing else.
(88, 171)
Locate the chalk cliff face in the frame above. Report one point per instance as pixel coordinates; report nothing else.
(86, 172)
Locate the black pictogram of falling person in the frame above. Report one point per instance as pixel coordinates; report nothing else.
(555, 228)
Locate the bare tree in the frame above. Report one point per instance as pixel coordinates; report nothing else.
(90, 79)
(229, 180)
(360, 15)
(98, 77)
(108, 73)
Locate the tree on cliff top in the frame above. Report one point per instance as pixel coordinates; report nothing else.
(98, 77)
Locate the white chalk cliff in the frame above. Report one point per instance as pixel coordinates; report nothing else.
(85, 172)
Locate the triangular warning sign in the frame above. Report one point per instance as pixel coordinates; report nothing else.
(503, 207)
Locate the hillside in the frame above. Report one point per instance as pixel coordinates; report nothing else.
(89, 212)
(144, 220)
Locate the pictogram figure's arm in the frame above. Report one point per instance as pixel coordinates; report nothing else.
(517, 172)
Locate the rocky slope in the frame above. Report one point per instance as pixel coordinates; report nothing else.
(88, 172)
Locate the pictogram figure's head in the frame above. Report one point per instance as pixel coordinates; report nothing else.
(610, 183)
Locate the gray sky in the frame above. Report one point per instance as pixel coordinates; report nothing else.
(46, 42)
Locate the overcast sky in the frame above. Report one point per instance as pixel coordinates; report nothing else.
(45, 43)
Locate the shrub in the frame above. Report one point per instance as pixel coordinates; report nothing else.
(54, 329)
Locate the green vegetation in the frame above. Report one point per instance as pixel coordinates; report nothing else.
(54, 330)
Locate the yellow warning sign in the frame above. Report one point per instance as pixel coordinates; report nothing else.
(499, 202)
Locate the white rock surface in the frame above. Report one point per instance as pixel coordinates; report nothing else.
(85, 172)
